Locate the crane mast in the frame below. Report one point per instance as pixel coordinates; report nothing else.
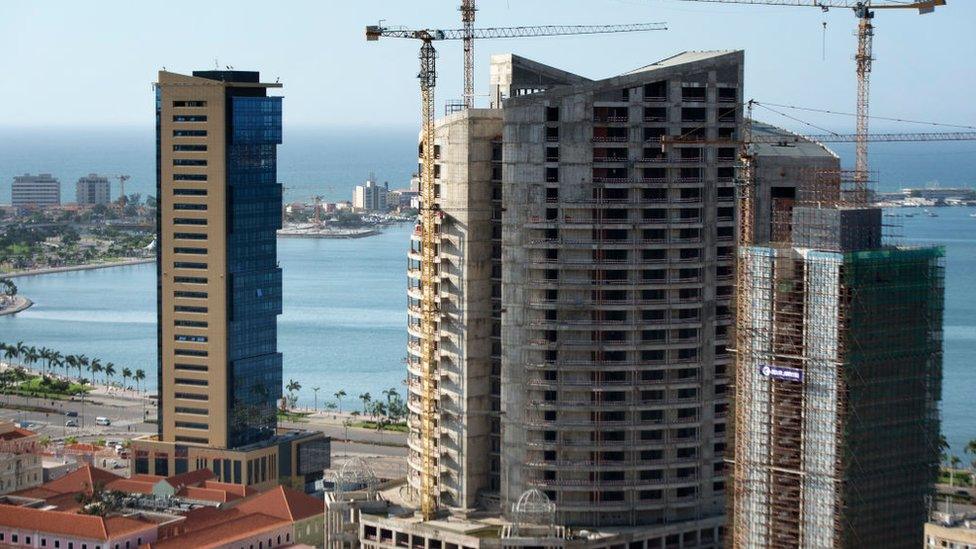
(467, 18)
(864, 11)
(863, 58)
(429, 313)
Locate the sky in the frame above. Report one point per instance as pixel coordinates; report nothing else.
(69, 63)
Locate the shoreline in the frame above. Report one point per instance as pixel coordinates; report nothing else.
(82, 267)
(21, 303)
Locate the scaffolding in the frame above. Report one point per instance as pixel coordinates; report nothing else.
(838, 370)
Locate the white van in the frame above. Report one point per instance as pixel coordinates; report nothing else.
(100, 420)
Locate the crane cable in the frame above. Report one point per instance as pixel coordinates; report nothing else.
(889, 119)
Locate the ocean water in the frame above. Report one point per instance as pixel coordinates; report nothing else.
(344, 317)
(343, 327)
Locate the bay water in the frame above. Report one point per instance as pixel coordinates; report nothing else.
(344, 321)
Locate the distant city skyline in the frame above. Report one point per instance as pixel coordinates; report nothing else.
(79, 66)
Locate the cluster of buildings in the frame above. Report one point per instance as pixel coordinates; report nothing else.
(95, 509)
(586, 395)
(585, 381)
(44, 191)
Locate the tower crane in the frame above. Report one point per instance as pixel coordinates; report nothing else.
(467, 19)
(428, 208)
(123, 199)
(864, 11)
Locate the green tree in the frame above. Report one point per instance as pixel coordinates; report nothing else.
(970, 449)
(126, 374)
(95, 367)
(109, 372)
(366, 398)
(139, 376)
(339, 394)
(7, 287)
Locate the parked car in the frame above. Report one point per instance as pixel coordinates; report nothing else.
(71, 423)
(102, 420)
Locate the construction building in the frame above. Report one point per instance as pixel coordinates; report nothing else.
(35, 191)
(93, 189)
(838, 377)
(584, 285)
(219, 287)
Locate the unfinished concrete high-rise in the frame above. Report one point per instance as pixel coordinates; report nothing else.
(617, 287)
(838, 376)
(584, 287)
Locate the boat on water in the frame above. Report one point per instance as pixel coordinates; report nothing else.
(931, 214)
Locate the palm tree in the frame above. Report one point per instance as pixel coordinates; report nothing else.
(57, 359)
(139, 376)
(971, 450)
(45, 354)
(109, 372)
(31, 356)
(315, 391)
(10, 352)
(366, 398)
(70, 361)
(126, 374)
(339, 394)
(21, 349)
(293, 386)
(95, 367)
(389, 394)
(82, 363)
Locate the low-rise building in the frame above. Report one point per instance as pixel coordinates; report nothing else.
(953, 530)
(371, 196)
(180, 511)
(20, 458)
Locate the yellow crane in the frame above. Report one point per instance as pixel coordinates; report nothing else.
(428, 208)
(467, 10)
(864, 11)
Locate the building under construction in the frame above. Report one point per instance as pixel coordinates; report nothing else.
(584, 292)
(839, 369)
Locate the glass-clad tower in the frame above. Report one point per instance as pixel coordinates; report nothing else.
(219, 285)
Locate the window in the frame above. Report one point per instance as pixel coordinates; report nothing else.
(190, 352)
(190, 192)
(197, 411)
(190, 280)
(189, 118)
(189, 162)
(188, 104)
(190, 339)
(190, 323)
(190, 396)
(189, 148)
(190, 236)
(190, 367)
(189, 265)
(192, 425)
(189, 177)
(189, 133)
(192, 207)
(194, 295)
(189, 309)
(186, 250)
(197, 382)
(189, 221)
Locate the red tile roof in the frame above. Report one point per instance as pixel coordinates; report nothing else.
(283, 503)
(69, 524)
(223, 533)
(82, 479)
(16, 433)
(191, 478)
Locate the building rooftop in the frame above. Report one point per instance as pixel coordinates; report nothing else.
(283, 503)
(682, 58)
(69, 524)
(792, 144)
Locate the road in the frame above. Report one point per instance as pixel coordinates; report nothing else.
(128, 415)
